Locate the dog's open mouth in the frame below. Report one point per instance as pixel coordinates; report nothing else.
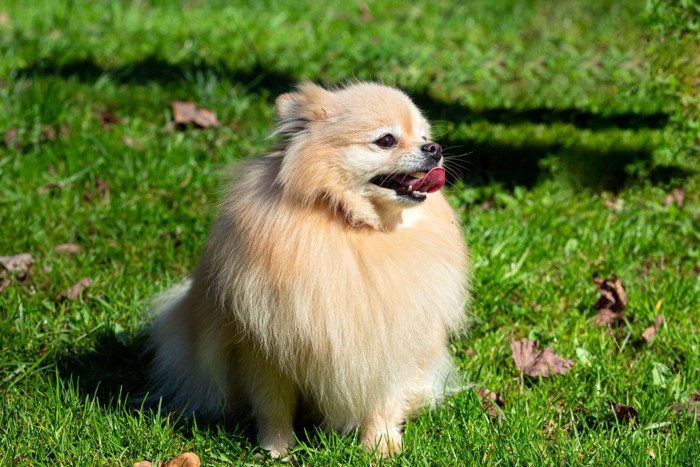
(415, 185)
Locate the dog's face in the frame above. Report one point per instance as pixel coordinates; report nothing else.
(364, 147)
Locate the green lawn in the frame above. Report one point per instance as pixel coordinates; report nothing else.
(567, 125)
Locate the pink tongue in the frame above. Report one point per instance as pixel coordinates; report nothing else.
(432, 182)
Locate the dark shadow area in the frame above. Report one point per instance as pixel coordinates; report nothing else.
(153, 69)
(667, 174)
(455, 112)
(115, 372)
(114, 367)
(480, 161)
(166, 73)
(511, 165)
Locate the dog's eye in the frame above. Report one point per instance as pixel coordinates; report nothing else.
(387, 141)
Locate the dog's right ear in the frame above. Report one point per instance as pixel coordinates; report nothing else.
(295, 110)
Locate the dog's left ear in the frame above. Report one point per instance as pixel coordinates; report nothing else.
(295, 110)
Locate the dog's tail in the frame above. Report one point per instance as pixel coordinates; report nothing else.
(156, 397)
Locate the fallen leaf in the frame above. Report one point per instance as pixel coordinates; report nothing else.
(49, 187)
(490, 401)
(677, 196)
(650, 333)
(4, 18)
(188, 459)
(129, 141)
(624, 413)
(488, 204)
(533, 362)
(10, 140)
(612, 294)
(365, 11)
(657, 307)
(652, 454)
(101, 188)
(49, 132)
(690, 408)
(187, 112)
(4, 284)
(608, 317)
(107, 118)
(70, 249)
(17, 264)
(611, 302)
(75, 291)
(614, 204)
(143, 464)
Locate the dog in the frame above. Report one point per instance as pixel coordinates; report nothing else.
(333, 277)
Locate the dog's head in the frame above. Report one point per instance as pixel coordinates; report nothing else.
(365, 148)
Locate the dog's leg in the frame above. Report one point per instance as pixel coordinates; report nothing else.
(382, 433)
(273, 399)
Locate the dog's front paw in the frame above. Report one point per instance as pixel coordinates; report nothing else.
(277, 443)
(281, 456)
(383, 444)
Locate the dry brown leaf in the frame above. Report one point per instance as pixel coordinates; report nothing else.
(4, 284)
(70, 249)
(101, 188)
(187, 112)
(364, 11)
(612, 294)
(10, 140)
(107, 118)
(206, 119)
(49, 132)
(624, 413)
(488, 204)
(611, 302)
(17, 264)
(184, 112)
(650, 333)
(614, 204)
(533, 362)
(608, 317)
(131, 142)
(188, 459)
(4, 18)
(677, 196)
(490, 401)
(75, 291)
(690, 408)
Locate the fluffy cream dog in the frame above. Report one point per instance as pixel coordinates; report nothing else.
(333, 276)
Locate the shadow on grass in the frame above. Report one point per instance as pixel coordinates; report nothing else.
(115, 367)
(484, 161)
(456, 112)
(115, 372)
(527, 164)
(166, 74)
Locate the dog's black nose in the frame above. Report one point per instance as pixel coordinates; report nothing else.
(433, 149)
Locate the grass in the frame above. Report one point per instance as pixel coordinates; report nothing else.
(567, 127)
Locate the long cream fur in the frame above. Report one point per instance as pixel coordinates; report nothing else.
(316, 285)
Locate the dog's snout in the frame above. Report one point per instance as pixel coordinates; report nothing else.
(433, 149)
